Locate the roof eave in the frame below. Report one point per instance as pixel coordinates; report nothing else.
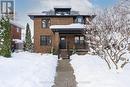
(32, 16)
(17, 25)
(67, 28)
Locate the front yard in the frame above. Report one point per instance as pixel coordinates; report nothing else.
(92, 71)
(28, 70)
(38, 70)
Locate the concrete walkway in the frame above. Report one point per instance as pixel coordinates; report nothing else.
(65, 77)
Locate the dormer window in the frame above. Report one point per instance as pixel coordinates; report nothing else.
(62, 11)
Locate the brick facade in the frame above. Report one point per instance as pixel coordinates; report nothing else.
(55, 19)
(38, 31)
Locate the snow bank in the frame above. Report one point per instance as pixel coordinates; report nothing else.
(28, 70)
(92, 71)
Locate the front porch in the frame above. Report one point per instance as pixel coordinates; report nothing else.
(69, 40)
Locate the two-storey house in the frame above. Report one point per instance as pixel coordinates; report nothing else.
(59, 29)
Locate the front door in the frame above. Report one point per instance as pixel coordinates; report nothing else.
(63, 42)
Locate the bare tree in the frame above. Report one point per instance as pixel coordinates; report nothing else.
(108, 34)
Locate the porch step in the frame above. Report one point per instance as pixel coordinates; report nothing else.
(64, 54)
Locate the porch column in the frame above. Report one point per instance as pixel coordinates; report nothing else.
(57, 41)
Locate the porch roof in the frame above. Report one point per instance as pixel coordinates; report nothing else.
(73, 26)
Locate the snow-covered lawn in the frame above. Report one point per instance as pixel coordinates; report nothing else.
(28, 70)
(92, 71)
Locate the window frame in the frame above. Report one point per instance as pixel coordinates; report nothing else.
(47, 22)
(81, 18)
(18, 30)
(45, 40)
(79, 44)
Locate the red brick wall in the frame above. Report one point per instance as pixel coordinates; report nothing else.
(14, 33)
(38, 31)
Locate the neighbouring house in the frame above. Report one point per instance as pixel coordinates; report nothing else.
(8, 10)
(16, 35)
(59, 30)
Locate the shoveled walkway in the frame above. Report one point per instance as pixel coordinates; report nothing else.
(65, 77)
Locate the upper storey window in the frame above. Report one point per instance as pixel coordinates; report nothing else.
(18, 30)
(79, 19)
(45, 23)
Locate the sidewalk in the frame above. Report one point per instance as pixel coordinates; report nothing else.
(64, 77)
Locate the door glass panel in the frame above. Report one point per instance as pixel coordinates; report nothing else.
(63, 42)
(62, 38)
(77, 40)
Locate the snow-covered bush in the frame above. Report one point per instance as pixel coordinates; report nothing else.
(108, 34)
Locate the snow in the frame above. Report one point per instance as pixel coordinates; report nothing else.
(74, 25)
(62, 6)
(17, 24)
(92, 71)
(28, 70)
(18, 41)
